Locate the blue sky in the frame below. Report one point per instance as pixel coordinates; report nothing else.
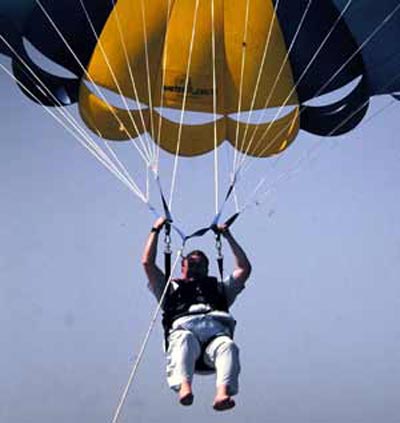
(318, 323)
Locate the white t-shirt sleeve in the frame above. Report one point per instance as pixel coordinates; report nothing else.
(232, 288)
(158, 288)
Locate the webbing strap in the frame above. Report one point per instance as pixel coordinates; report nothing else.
(167, 251)
(198, 233)
(167, 212)
(214, 223)
(202, 231)
(213, 227)
(220, 263)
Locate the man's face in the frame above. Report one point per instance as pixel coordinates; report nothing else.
(194, 266)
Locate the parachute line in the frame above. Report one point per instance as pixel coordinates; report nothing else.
(242, 65)
(146, 50)
(131, 76)
(88, 142)
(146, 338)
(378, 27)
(86, 73)
(124, 169)
(344, 121)
(278, 77)
(159, 130)
(48, 65)
(83, 139)
(329, 98)
(149, 152)
(146, 147)
(366, 41)
(297, 167)
(293, 90)
(178, 144)
(267, 44)
(214, 76)
(256, 199)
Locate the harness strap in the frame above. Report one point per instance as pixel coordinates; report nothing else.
(218, 244)
(212, 227)
(167, 252)
(220, 257)
(214, 223)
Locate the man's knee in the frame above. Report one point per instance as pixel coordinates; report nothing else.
(228, 345)
(223, 345)
(183, 338)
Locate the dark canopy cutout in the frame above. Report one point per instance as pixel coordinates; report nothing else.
(71, 20)
(324, 57)
(28, 20)
(337, 118)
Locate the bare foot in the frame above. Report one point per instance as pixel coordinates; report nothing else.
(186, 394)
(223, 403)
(222, 400)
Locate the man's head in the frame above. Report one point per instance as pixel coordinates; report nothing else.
(195, 265)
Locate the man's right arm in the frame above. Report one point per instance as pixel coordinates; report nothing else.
(153, 272)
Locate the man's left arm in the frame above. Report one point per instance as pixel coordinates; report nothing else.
(242, 268)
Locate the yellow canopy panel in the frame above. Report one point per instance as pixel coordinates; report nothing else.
(214, 56)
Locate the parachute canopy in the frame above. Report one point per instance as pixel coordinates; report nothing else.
(226, 63)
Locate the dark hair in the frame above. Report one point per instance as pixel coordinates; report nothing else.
(197, 253)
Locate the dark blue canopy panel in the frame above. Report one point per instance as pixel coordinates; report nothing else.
(71, 19)
(14, 19)
(339, 117)
(42, 24)
(380, 40)
(17, 12)
(14, 16)
(320, 44)
(323, 56)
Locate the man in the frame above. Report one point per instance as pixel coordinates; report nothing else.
(197, 321)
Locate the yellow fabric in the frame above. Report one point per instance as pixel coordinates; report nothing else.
(265, 139)
(169, 33)
(127, 18)
(261, 22)
(110, 122)
(177, 52)
(195, 139)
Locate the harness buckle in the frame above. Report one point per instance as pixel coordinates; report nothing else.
(167, 238)
(218, 246)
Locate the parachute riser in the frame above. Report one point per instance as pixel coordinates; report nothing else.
(167, 250)
(220, 256)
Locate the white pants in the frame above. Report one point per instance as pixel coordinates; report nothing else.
(221, 353)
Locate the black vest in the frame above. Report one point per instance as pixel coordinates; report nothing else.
(203, 291)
